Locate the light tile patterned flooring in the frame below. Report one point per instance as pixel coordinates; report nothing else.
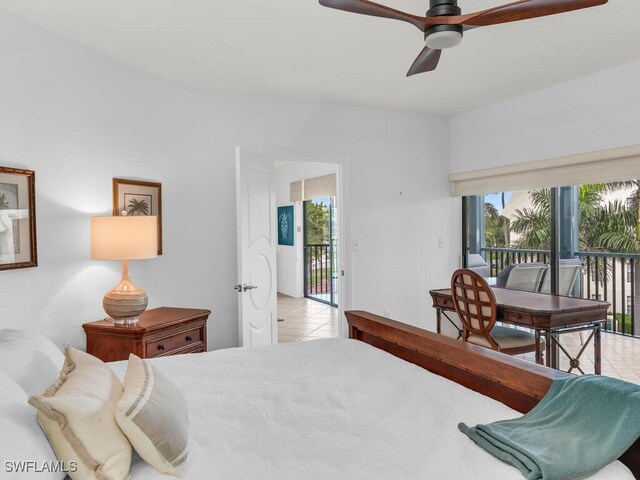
(620, 355)
(306, 319)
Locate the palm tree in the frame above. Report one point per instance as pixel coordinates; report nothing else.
(634, 199)
(493, 226)
(612, 228)
(4, 203)
(506, 224)
(596, 219)
(138, 207)
(534, 223)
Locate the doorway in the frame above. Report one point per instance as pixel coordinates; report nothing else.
(308, 263)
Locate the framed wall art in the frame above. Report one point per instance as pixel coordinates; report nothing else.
(17, 219)
(136, 197)
(285, 225)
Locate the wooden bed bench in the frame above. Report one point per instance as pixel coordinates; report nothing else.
(512, 381)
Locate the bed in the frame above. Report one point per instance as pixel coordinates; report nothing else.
(347, 409)
(341, 409)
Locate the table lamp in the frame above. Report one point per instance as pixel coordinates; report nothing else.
(124, 238)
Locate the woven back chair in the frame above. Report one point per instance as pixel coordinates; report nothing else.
(475, 304)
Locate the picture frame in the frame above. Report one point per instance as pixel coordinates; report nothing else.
(137, 197)
(286, 225)
(18, 243)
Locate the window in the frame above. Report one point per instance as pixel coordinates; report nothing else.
(586, 227)
(504, 230)
(630, 203)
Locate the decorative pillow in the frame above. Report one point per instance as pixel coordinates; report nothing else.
(25, 451)
(153, 415)
(32, 360)
(77, 414)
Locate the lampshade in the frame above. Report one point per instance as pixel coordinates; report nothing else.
(124, 238)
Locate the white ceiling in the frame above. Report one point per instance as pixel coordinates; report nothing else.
(299, 49)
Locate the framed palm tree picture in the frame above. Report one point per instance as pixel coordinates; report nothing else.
(17, 219)
(137, 197)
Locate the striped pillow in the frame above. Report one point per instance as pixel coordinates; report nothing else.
(153, 414)
(77, 414)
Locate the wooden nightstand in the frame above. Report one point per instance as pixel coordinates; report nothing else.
(159, 332)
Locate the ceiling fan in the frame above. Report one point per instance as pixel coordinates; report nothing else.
(444, 24)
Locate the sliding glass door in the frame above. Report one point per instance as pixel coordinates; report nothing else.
(581, 240)
(320, 252)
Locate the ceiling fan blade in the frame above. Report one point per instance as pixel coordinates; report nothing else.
(522, 10)
(426, 61)
(376, 10)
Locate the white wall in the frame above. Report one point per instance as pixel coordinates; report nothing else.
(596, 112)
(291, 258)
(78, 119)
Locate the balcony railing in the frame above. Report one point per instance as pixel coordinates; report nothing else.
(612, 277)
(605, 276)
(319, 272)
(499, 258)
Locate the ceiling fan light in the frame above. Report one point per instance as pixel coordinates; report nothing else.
(444, 39)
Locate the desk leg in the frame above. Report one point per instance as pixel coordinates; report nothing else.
(597, 350)
(547, 338)
(439, 313)
(555, 352)
(538, 352)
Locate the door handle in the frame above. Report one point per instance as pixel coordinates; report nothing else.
(246, 287)
(238, 288)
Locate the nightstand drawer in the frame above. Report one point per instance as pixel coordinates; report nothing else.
(177, 341)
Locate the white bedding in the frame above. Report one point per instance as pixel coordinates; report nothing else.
(329, 409)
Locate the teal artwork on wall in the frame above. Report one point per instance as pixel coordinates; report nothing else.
(285, 225)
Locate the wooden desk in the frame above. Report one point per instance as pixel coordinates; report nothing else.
(548, 315)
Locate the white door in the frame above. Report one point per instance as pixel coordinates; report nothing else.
(256, 217)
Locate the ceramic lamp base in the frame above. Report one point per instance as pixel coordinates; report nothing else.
(126, 302)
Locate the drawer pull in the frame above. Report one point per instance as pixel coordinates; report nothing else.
(160, 347)
(189, 338)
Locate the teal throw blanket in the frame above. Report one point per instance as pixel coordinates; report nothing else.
(580, 426)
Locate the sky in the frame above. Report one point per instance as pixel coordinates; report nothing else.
(326, 201)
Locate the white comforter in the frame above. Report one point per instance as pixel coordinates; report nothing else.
(329, 409)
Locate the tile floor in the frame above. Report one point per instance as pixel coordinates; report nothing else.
(305, 319)
(620, 355)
